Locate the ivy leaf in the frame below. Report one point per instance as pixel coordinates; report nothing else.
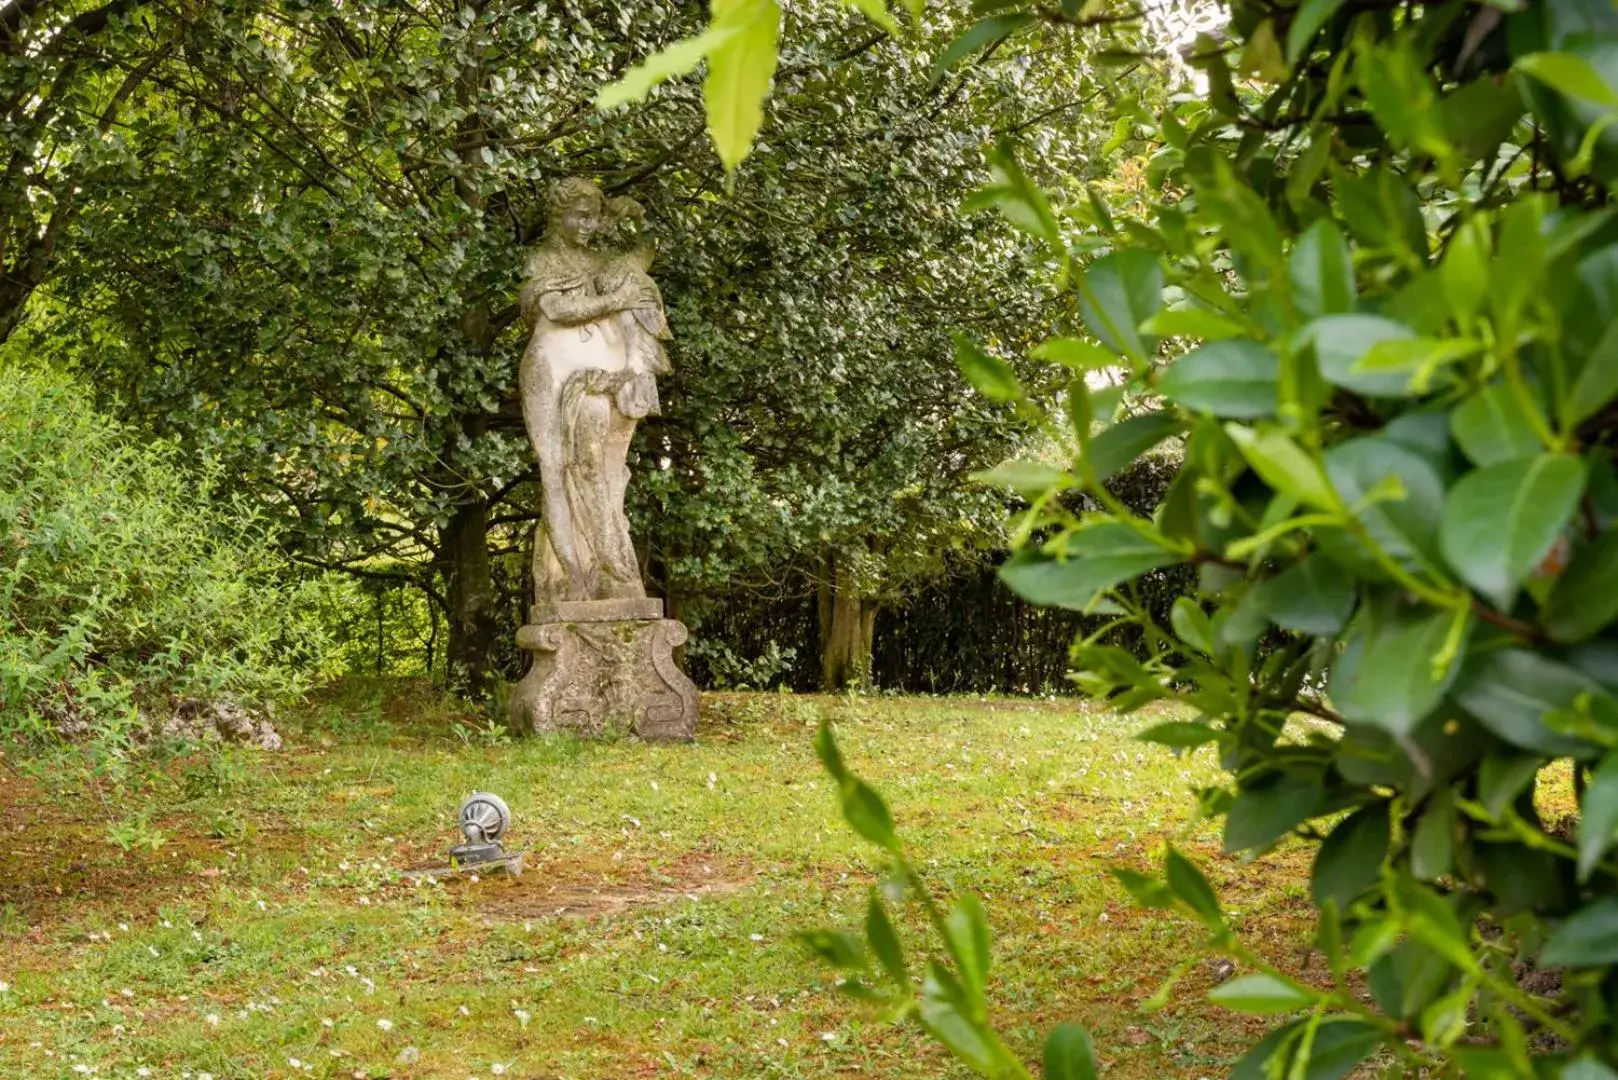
(740, 70)
(1235, 380)
(1500, 522)
(1117, 294)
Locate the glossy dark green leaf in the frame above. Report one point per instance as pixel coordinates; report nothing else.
(1118, 293)
(1337, 1048)
(1598, 817)
(1306, 23)
(1342, 341)
(1268, 810)
(1123, 442)
(1179, 734)
(1502, 777)
(1096, 558)
(1500, 522)
(980, 35)
(989, 376)
(1491, 427)
(1587, 938)
(1187, 883)
(837, 948)
(1314, 596)
(1584, 599)
(884, 940)
(1236, 379)
(1350, 859)
(1386, 675)
(1512, 691)
(867, 814)
(1321, 272)
(1406, 528)
(1069, 1054)
(1262, 994)
(1590, 333)
(1432, 845)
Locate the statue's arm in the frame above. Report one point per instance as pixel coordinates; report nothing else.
(576, 308)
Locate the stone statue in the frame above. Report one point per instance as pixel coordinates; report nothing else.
(603, 651)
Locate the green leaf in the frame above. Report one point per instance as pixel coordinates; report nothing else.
(1191, 624)
(1123, 442)
(1075, 353)
(841, 950)
(1024, 477)
(1405, 528)
(1096, 557)
(1598, 817)
(877, 12)
(1284, 465)
(988, 375)
(1465, 269)
(1337, 1048)
(940, 1013)
(1342, 341)
(1321, 271)
(1187, 883)
(1568, 74)
(1350, 859)
(1590, 334)
(1310, 17)
(830, 756)
(1145, 891)
(1314, 596)
(1237, 380)
(1069, 1054)
(1268, 810)
(1179, 734)
(740, 70)
(1262, 994)
(868, 815)
(980, 35)
(1117, 294)
(1511, 691)
(1192, 323)
(1588, 938)
(1492, 427)
(678, 59)
(966, 933)
(1385, 678)
(1586, 1068)
(884, 940)
(1432, 846)
(1584, 599)
(1500, 522)
(1502, 777)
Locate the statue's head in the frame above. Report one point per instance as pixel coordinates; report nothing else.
(577, 210)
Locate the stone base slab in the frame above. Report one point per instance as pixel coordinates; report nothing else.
(597, 675)
(596, 610)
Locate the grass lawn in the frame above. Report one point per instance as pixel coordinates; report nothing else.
(271, 934)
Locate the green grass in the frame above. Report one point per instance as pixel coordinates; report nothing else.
(653, 932)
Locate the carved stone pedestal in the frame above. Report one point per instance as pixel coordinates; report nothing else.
(603, 667)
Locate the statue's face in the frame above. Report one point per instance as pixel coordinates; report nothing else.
(579, 223)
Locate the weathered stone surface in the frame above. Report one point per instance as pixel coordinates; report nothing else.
(603, 655)
(603, 678)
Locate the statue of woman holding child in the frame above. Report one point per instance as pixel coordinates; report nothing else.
(588, 374)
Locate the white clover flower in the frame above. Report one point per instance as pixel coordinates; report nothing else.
(212, 1019)
(828, 1036)
(385, 1025)
(498, 1069)
(522, 1016)
(5, 987)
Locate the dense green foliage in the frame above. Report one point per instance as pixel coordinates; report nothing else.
(1375, 297)
(295, 250)
(129, 581)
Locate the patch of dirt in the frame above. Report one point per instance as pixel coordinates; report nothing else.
(564, 889)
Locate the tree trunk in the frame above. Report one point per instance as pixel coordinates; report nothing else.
(469, 587)
(846, 623)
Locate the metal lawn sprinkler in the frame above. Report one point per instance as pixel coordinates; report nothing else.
(484, 818)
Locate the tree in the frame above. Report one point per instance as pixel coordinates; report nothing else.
(1374, 296)
(313, 283)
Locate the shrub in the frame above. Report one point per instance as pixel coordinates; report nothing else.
(1377, 300)
(128, 581)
